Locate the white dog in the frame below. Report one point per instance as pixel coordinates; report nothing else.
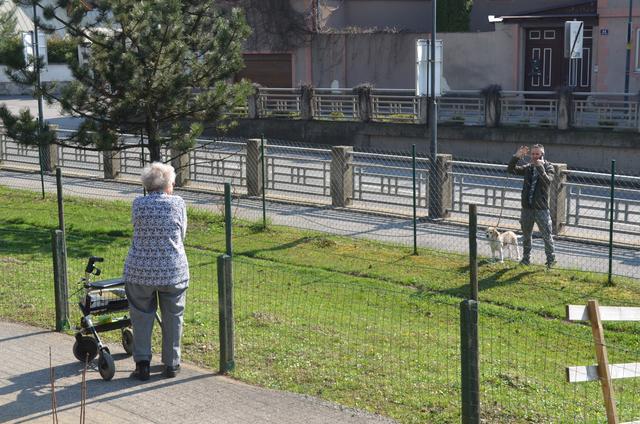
(499, 241)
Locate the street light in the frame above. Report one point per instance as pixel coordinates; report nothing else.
(36, 54)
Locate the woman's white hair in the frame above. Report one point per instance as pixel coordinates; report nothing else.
(158, 176)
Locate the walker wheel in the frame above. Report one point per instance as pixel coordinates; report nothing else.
(106, 366)
(127, 340)
(84, 345)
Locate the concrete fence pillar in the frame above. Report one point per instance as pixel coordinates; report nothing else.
(306, 102)
(253, 103)
(423, 108)
(365, 105)
(492, 105)
(565, 109)
(255, 183)
(441, 194)
(112, 166)
(49, 153)
(558, 198)
(181, 162)
(341, 176)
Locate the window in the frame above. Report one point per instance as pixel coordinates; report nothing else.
(534, 35)
(549, 34)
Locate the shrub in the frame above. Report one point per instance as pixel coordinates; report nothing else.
(11, 52)
(59, 50)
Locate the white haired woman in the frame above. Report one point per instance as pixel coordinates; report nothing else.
(156, 269)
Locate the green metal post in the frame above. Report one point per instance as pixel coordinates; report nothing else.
(60, 199)
(225, 308)
(264, 183)
(36, 57)
(415, 220)
(611, 212)
(470, 363)
(227, 218)
(473, 250)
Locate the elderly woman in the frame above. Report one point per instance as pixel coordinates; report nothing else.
(156, 269)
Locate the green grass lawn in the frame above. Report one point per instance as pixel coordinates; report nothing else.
(361, 323)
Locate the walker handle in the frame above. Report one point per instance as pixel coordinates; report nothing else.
(90, 267)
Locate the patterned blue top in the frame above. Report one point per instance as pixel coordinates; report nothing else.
(156, 256)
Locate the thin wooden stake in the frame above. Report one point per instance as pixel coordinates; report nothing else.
(54, 403)
(603, 361)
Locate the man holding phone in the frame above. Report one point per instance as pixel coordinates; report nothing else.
(538, 175)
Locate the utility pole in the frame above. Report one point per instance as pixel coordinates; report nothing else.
(628, 61)
(36, 54)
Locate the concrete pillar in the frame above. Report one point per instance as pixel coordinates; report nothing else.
(255, 183)
(558, 198)
(492, 106)
(253, 103)
(181, 162)
(306, 102)
(565, 108)
(423, 107)
(50, 153)
(365, 105)
(341, 176)
(441, 195)
(111, 162)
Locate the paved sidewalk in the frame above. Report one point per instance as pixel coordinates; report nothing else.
(195, 396)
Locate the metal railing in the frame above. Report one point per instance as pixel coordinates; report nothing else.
(395, 106)
(280, 102)
(461, 107)
(302, 171)
(380, 179)
(218, 163)
(335, 104)
(527, 109)
(605, 110)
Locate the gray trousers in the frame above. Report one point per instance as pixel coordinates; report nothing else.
(143, 303)
(541, 217)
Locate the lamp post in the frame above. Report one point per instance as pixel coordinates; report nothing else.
(628, 60)
(434, 186)
(36, 54)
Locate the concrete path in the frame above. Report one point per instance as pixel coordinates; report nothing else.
(194, 396)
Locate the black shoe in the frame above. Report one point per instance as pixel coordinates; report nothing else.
(170, 372)
(525, 262)
(142, 371)
(551, 263)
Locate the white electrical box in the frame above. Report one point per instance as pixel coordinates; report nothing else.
(573, 36)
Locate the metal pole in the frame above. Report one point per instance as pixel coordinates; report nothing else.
(611, 211)
(473, 250)
(434, 187)
(142, 161)
(415, 229)
(227, 218)
(225, 312)
(264, 183)
(628, 59)
(60, 200)
(34, 39)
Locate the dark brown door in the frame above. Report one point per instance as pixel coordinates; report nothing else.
(268, 70)
(546, 68)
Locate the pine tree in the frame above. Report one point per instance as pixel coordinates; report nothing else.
(453, 15)
(160, 68)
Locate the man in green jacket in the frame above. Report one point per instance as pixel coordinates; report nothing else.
(538, 175)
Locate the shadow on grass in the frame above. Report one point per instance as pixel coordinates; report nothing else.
(20, 238)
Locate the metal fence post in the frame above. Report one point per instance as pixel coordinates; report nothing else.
(469, 362)
(469, 344)
(61, 290)
(225, 306)
(611, 217)
(263, 169)
(415, 220)
(227, 219)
